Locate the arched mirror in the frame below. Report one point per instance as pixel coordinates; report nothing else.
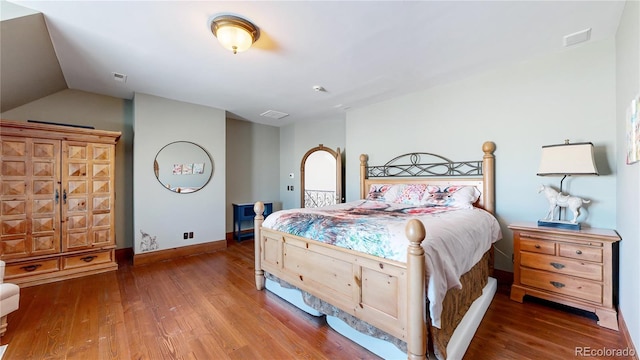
(183, 167)
(321, 177)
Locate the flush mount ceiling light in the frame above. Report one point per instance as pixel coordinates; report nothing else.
(234, 33)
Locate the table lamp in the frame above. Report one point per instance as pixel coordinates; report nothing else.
(565, 160)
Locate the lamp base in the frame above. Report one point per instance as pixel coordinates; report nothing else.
(559, 224)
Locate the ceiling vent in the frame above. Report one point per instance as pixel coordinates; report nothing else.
(576, 38)
(274, 114)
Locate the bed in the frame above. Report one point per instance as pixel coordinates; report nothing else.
(406, 292)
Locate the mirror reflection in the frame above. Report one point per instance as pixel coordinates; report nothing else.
(321, 177)
(183, 167)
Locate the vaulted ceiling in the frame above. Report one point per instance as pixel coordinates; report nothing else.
(360, 52)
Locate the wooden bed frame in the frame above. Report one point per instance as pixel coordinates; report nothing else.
(387, 294)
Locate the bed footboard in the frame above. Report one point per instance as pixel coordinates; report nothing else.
(387, 294)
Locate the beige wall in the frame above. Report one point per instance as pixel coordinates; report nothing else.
(568, 95)
(628, 179)
(104, 113)
(30, 69)
(252, 165)
(162, 214)
(298, 138)
(252, 152)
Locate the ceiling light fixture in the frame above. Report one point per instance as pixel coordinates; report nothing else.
(234, 33)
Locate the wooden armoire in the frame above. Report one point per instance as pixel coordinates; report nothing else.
(57, 196)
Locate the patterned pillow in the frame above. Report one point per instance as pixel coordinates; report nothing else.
(380, 192)
(453, 196)
(410, 194)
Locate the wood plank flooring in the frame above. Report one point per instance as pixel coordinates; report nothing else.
(206, 307)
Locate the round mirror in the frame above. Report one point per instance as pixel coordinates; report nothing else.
(183, 167)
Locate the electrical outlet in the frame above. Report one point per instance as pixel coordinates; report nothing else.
(190, 234)
(185, 235)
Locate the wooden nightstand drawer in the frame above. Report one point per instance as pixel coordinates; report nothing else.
(537, 246)
(565, 285)
(77, 261)
(31, 268)
(560, 265)
(580, 252)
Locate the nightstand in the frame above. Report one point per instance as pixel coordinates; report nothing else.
(244, 213)
(578, 268)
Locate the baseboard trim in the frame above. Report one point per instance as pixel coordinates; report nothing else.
(156, 256)
(243, 233)
(124, 255)
(622, 327)
(505, 278)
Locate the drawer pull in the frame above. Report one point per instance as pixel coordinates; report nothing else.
(30, 268)
(558, 285)
(88, 258)
(578, 252)
(537, 246)
(557, 266)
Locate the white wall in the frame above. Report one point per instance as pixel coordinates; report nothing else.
(253, 165)
(628, 180)
(159, 212)
(298, 138)
(569, 95)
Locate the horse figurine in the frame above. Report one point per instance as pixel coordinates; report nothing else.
(557, 199)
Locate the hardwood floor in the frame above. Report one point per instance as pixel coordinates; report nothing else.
(206, 307)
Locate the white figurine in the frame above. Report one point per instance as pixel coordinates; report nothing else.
(557, 199)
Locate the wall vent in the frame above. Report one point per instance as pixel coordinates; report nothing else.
(119, 77)
(578, 37)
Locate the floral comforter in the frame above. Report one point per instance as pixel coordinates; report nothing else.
(456, 238)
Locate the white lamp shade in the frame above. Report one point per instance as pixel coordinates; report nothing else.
(568, 159)
(234, 38)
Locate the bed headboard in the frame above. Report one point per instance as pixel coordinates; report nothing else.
(432, 169)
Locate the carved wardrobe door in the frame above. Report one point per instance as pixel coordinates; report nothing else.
(88, 196)
(29, 197)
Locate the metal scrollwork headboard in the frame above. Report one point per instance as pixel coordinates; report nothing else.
(419, 165)
(428, 168)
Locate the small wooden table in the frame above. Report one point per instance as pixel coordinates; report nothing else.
(244, 213)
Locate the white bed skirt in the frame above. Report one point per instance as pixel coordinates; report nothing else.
(456, 348)
(291, 295)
